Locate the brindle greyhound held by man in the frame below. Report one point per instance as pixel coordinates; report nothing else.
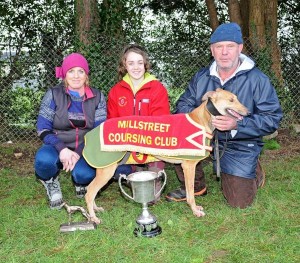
(221, 101)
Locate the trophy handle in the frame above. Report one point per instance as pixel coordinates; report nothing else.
(122, 189)
(160, 173)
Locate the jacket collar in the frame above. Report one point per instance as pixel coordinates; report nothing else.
(147, 78)
(87, 91)
(246, 64)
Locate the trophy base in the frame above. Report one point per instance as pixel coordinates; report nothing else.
(73, 226)
(149, 230)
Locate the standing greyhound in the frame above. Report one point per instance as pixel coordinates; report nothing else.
(223, 102)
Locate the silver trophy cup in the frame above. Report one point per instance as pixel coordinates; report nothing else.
(143, 187)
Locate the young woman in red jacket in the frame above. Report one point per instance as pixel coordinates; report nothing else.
(138, 92)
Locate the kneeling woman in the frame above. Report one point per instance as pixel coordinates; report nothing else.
(68, 111)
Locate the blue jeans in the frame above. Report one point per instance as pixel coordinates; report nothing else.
(48, 165)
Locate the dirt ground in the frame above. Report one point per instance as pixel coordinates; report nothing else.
(20, 156)
(289, 146)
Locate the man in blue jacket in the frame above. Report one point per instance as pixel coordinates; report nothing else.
(240, 142)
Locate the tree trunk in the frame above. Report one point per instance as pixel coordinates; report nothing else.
(244, 9)
(87, 20)
(257, 30)
(271, 35)
(263, 32)
(212, 12)
(235, 12)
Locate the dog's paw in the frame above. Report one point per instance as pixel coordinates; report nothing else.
(199, 207)
(98, 209)
(198, 211)
(96, 220)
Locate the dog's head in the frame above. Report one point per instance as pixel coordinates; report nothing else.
(226, 103)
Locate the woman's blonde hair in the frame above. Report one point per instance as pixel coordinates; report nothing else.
(136, 49)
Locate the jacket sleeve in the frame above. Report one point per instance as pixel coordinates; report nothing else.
(160, 101)
(191, 98)
(45, 122)
(112, 106)
(266, 112)
(101, 112)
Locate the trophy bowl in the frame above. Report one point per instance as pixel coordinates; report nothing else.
(143, 187)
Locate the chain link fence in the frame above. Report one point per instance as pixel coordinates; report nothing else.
(26, 75)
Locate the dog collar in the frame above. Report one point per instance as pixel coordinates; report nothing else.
(211, 108)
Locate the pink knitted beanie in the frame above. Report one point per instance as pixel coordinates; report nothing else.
(71, 61)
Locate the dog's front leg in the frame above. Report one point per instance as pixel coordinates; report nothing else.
(189, 168)
(102, 177)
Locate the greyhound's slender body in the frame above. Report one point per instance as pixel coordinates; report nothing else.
(224, 102)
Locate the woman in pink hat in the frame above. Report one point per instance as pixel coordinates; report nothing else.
(68, 111)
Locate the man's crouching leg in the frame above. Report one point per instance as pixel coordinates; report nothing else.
(238, 191)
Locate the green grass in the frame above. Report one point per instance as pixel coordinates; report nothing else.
(266, 232)
(271, 145)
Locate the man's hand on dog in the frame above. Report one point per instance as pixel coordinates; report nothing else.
(68, 158)
(224, 123)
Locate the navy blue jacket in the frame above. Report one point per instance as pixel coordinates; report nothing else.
(253, 89)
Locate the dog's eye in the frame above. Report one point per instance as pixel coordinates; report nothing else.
(231, 100)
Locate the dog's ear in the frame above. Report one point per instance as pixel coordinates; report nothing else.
(207, 95)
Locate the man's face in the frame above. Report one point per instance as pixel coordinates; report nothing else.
(226, 54)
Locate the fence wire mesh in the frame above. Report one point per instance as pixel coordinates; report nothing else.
(26, 75)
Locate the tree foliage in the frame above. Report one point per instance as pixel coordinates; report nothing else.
(33, 28)
(289, 36)
(37, 34)
(48, 28)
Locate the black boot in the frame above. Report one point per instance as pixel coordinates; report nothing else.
(179, 194)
